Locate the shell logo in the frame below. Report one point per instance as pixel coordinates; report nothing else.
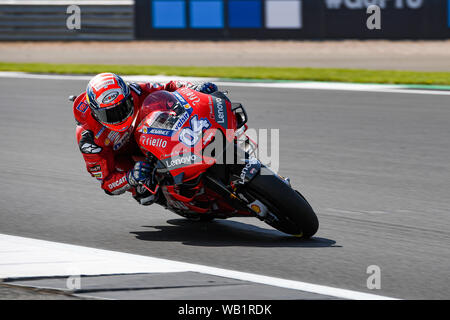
(255, 208)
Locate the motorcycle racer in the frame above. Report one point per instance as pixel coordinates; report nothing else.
(106, 116)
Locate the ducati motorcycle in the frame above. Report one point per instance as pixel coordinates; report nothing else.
(205, 166)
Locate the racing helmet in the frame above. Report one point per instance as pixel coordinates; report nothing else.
(110, 101)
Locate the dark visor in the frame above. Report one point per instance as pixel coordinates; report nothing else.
(117, 113)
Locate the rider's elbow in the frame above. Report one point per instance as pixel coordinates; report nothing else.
(115, 192)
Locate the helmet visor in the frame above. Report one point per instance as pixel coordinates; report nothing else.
(117, 113)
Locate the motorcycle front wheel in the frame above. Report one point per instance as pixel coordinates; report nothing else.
(294, 214)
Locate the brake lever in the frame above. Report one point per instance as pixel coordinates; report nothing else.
(150, 190)
(146, 187)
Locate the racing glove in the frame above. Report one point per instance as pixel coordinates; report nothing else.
(139, 174)
(206, 87)
(143, 196)
(139, 177)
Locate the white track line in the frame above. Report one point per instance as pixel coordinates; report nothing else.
(283, 85)
(280, 85)
(26, 257)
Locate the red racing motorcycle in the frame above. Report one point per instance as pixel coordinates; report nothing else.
(205, 166)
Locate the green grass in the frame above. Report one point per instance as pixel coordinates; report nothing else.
(257, 73)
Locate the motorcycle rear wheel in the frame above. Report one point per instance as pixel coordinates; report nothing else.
(296, 216)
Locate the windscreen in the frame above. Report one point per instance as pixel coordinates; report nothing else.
(168, 120)
(169, 115)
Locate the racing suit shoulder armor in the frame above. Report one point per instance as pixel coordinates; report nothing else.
(85, 122)
(87, 143)
(137, 87)
(81, 109)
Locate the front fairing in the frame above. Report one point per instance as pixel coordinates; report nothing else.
(177, 141)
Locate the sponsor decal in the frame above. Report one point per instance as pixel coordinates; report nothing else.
(103, 84)
(191, 96)
(190, 135)
(249, 166)
(117, 183)
(99, 133)
(113, 135)
(181, 121)
(98, 175)
(255, 208)
(109, 138)
(120, 141)
(220, 112)
(117, 140)
(210, 105)
(109, 96)
(154, 142)
(82, 107)
(95, 168)
(383, 4)
(183, 101)
(258, 207)
(208, 138)
(173, 163)
(157, 131)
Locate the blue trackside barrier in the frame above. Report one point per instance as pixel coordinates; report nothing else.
(290, 19)
(223, 19)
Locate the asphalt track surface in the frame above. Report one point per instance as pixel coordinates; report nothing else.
(375, 166)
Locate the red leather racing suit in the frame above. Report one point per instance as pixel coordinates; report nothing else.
(109, 154)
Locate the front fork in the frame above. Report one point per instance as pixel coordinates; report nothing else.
(240, 200)
(261, 211)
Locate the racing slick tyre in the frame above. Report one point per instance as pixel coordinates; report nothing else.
(295, 215)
